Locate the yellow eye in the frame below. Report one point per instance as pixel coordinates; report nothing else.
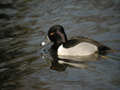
(52, 33)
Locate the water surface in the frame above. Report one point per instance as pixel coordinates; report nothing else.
(24, 64)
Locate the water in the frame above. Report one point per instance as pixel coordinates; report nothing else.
(24, 64)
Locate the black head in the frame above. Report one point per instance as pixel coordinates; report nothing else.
(57, 35)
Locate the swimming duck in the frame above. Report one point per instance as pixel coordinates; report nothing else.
(76, 47)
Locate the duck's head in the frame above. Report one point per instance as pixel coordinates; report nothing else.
(57, 35)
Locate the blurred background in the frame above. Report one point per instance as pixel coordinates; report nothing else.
(24, 64)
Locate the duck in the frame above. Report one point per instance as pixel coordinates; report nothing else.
(78, 46)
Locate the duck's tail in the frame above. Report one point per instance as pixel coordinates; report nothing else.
(103, 50)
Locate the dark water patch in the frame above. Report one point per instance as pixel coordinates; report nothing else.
(7, 5)
(4, 16)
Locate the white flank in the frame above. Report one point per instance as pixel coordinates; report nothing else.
(82, 49)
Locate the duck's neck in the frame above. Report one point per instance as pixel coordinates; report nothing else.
(63, 37)
(59, 42)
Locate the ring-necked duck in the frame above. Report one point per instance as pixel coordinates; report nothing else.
(81, 48)
(78, 46)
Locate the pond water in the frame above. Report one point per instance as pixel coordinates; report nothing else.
(24, 64)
